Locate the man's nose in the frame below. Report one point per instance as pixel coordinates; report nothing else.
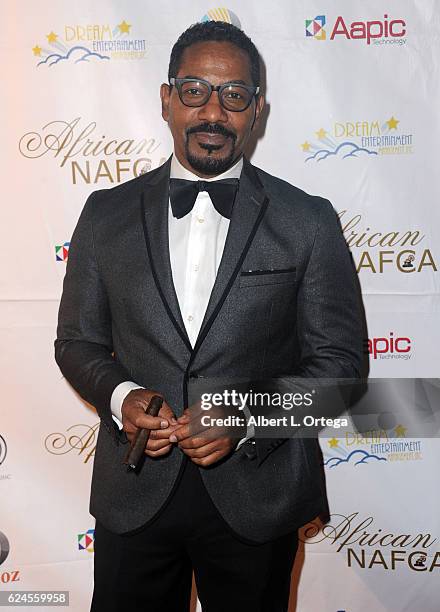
(213, 111)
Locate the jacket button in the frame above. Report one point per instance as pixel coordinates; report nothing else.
(249, 449)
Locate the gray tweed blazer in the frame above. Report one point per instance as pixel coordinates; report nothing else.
(119, 320)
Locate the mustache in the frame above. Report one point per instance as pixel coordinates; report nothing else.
(211, 128)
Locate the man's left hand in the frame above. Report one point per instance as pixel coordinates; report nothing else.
(203, 446)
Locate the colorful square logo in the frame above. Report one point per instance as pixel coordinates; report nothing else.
(62, 251)
(315, 27)
(86, 540)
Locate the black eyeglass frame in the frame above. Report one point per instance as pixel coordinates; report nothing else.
(254, 91)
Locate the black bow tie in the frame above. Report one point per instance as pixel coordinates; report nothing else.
(184, 193)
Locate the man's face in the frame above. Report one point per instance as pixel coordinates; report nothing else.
(208, 139)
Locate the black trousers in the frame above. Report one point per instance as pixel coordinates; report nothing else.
(151, 570)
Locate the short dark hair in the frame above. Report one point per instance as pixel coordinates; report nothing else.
(220, 31)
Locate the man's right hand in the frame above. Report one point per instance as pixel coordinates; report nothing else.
(162, 426)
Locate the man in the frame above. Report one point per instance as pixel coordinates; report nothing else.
(168, 282)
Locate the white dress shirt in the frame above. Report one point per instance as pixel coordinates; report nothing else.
(196, 243)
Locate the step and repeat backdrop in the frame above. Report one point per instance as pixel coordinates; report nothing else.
(352, 91)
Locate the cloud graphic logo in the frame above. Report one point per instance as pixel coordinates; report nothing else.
(344, 150)
(356, 457)
(75, 54)
(83, 43)
(357, 140)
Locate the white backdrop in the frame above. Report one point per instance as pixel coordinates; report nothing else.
(353, 91)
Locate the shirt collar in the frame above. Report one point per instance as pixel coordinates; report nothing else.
(180, 172)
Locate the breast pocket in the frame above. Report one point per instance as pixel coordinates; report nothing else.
(274, 276)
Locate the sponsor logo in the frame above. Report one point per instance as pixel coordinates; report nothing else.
(90, 156)
(78, 43)
(4, 548)
(222, 14)
(367, 546)
(3, 449)
(62, 251)
(79, 440)
(3, 453)
(6, 577)
(86, 540)
(379, 251)
(358, 139)
(389, 347)
(315, 27)
(9, 576)
(376, 446)
(379, 31)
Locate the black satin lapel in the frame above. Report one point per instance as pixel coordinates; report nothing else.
(250, 205)
(154, 205)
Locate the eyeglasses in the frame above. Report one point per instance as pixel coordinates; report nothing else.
(232, 96)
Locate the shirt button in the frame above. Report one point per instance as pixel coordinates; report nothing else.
(190, 318)
(200, 219)
(196, 268)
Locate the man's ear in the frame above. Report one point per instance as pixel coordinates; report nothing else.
(258, 109)
(165, 90)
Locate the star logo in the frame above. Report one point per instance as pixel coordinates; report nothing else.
(80, 43)
(333, 443)
(392, 123)
(400, 431)
(52, 37)
(306, 146)
(124, 27)
(321, 134)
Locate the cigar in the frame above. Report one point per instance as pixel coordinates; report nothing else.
(137, 447)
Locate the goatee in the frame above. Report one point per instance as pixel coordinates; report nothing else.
(208, 164)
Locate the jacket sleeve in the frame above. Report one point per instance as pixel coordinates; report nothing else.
(84, 347)
(329, 325)
(329, 308)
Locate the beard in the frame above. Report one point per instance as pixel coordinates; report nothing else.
(206, 164)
